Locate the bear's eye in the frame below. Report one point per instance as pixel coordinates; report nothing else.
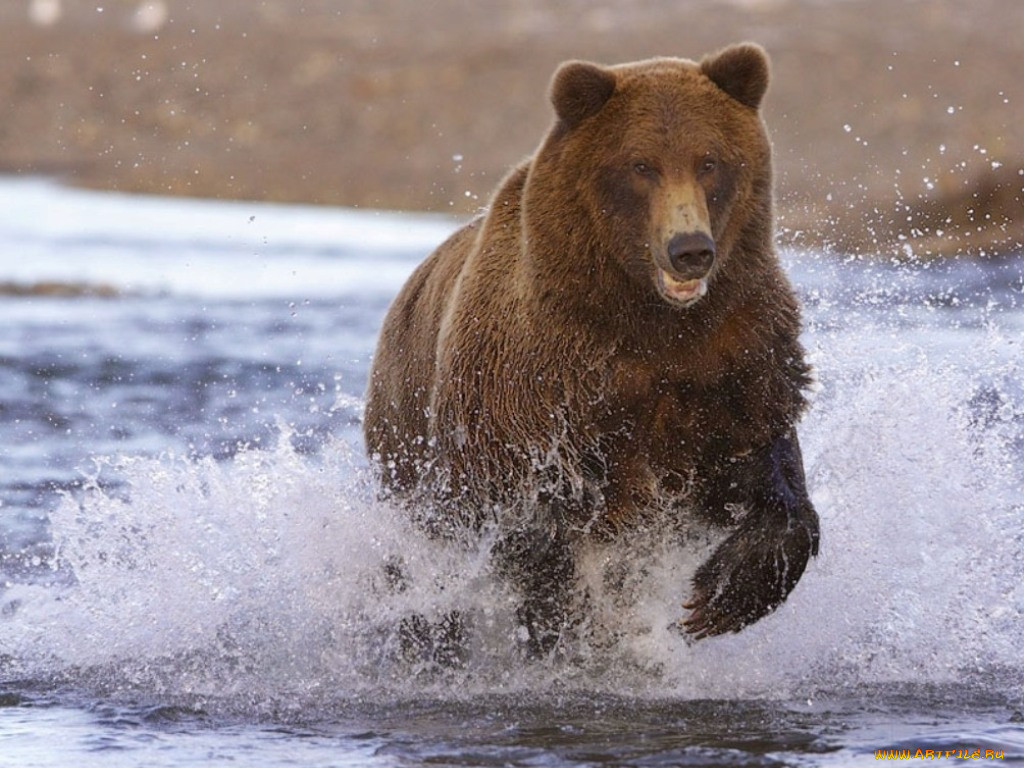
(708, 165)
(643, 169)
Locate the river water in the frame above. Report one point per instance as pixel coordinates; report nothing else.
(191, 550)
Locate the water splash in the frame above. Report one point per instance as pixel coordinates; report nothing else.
(260, 583)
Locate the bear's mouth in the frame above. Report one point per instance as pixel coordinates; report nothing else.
(683, 292)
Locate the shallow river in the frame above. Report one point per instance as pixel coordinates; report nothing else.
(191, 550)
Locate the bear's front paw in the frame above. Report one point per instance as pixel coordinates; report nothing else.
(748, 576)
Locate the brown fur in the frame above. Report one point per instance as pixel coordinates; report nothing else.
(535, 351)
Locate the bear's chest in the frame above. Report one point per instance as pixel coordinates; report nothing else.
(677, 422)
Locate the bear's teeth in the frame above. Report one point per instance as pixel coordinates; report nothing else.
(683, 290)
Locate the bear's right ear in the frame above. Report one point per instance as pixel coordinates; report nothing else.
(579, 89)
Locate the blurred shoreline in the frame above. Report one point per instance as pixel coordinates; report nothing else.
(898, 125)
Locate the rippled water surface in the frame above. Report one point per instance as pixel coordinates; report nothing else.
(191, 552)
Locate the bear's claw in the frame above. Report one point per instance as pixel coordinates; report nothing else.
(749, 576)
(752, 572)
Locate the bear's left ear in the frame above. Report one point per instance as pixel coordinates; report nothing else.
(579, 89)
(739, 70)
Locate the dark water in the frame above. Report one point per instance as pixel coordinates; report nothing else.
(190, 549)
(549, 730)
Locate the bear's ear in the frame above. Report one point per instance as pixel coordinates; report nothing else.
(579, 89)
(739, 70)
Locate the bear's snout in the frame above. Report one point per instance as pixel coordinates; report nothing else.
(691, 255)
(683, 265)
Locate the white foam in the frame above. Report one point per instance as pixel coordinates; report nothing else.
(259, 581)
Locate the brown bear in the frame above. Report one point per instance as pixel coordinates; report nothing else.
(613, 344)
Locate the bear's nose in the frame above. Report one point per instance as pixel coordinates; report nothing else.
(691, 253)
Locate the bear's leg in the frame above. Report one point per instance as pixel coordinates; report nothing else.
(753, 571)
(539, 563)
(444, 642)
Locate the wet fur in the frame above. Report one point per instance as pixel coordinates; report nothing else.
(530, 357)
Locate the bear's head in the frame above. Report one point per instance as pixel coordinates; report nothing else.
(659, 170)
